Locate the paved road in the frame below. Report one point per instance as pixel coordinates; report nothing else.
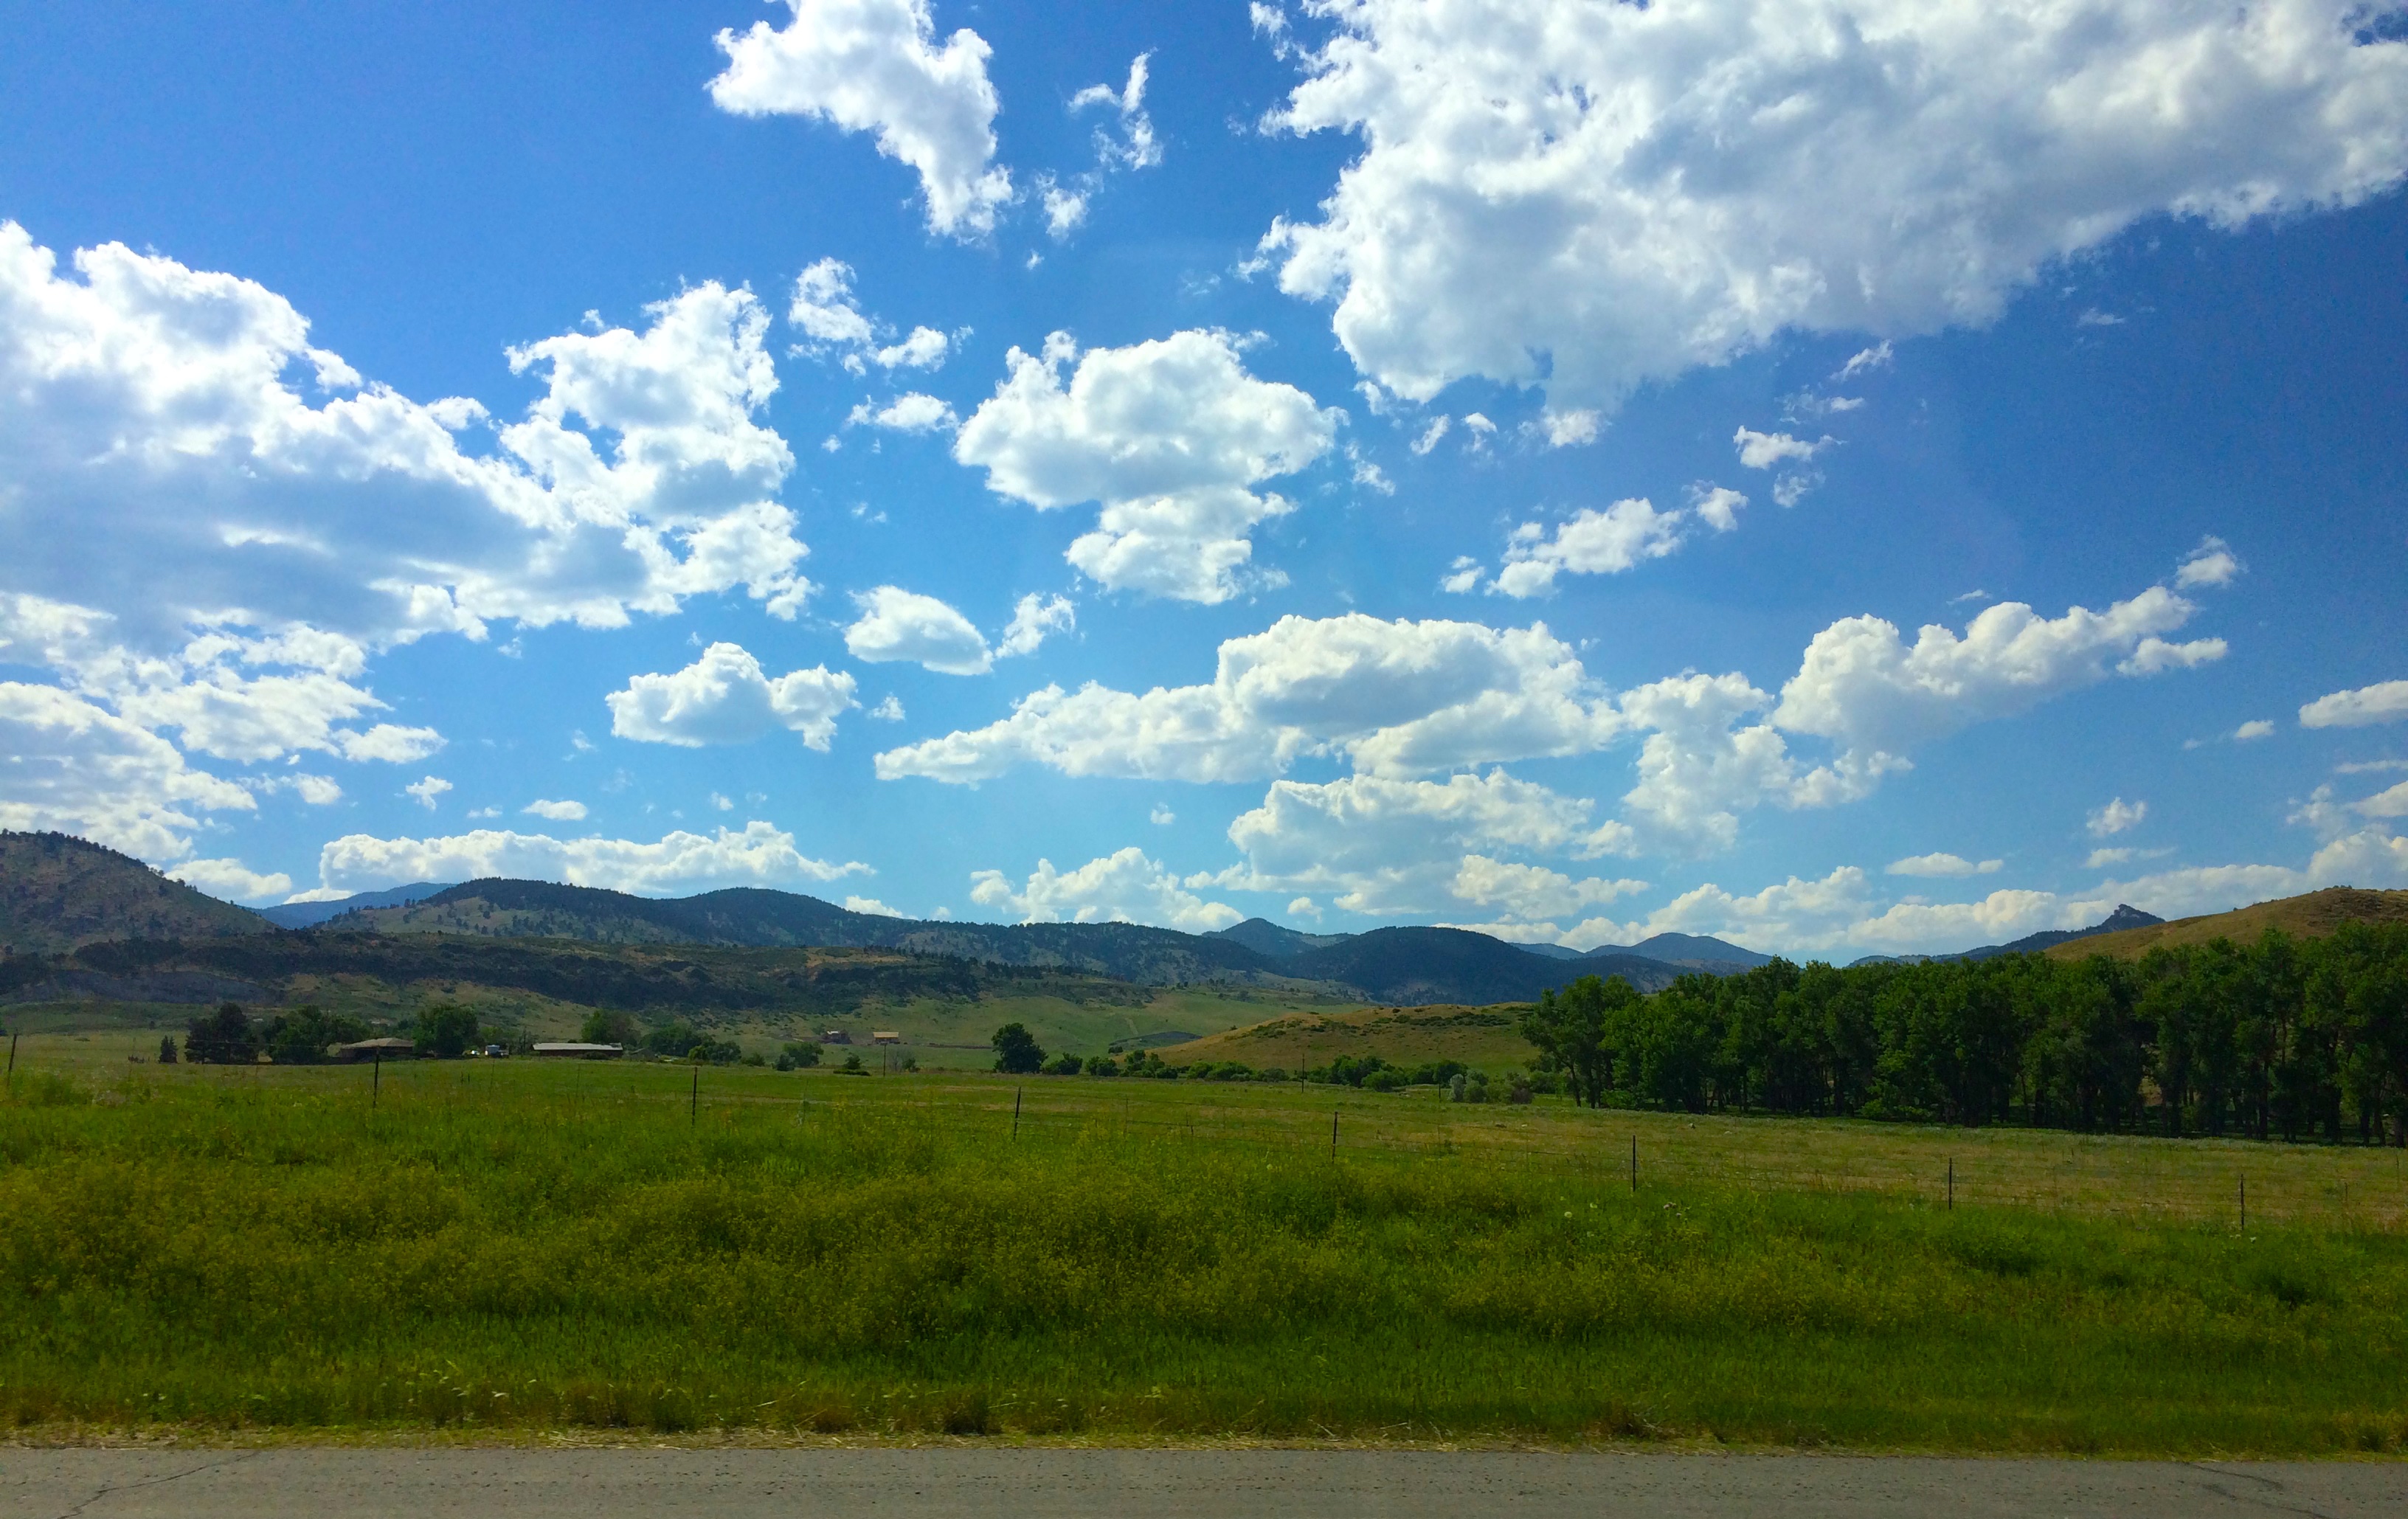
(1224, 1484)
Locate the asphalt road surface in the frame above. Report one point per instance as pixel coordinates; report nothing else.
(587, 1484)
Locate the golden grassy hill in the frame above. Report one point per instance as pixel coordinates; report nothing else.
(2311, 916)
(1478, 1037)
(58, 892)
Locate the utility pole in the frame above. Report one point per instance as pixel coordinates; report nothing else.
(2244, 1203)
(1015, 1115)
(1333, 1133)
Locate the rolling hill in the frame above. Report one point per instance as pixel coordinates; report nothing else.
(311, 914)
(63, 894)
(1417, 966)
(58, 892)
(2311, 916)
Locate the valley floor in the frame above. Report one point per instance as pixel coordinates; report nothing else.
(512, 1247)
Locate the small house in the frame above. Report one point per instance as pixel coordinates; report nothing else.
(885, 1036)
(836, 1035)
(575, 1050)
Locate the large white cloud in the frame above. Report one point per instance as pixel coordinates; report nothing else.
(1401, 700)
(1398, 698)
(896, 625)
(874, 65)
(1702, 762)
(205, 687)
(1171, 436)
(164, 461)
(759, 855)
(70, 765)
(724, 697)
(1122, 888)
(1588, 194)
(1390, 845)
(1863, 688)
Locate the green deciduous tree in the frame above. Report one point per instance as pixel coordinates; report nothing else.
(1017, 1051)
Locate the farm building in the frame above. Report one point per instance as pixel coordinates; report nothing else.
(573, 1050)
(383, 1049)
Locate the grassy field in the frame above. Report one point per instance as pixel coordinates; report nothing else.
(514, 1246)
(1482, 1038)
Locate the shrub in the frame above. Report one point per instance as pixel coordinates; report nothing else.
(798, 1056)
(1347, 1070)
(673, 1037)
(1017, 1051)
(1270, 1073)
(1471, 1087)
(756, 1058)
(852, 1067)
(167, 1049)
(717, 1052)
(1102, 1064)
(1065, 1063)
(1390, 1079)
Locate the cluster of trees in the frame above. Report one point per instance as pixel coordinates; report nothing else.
(230, 1036)
(2283, 1037)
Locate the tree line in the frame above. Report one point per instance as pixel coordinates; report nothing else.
(2285, 1037)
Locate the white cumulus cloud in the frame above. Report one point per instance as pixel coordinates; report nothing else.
(2117, 816)
(1588, 194)
(1401, 697)
(896, 625)
(1862, 686)
(1593, 542)
(1763, 451)
(724, 697)
(913, 411)
(874, 65)
(1122, 887)
(73, 767)
(1171, 436)
(552, 812)
(2212, 562)
(1035, 618)
(2362, 707)
(426, 790)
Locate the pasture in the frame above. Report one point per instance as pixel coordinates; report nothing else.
(515, 1248)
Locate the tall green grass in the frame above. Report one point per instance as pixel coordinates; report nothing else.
(542, 1249)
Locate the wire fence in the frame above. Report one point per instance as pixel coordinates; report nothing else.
(2222, 1182)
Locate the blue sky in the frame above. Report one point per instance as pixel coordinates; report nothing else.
(1186, 463)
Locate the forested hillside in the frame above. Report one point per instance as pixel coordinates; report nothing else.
(634, 977)
(57, 892)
